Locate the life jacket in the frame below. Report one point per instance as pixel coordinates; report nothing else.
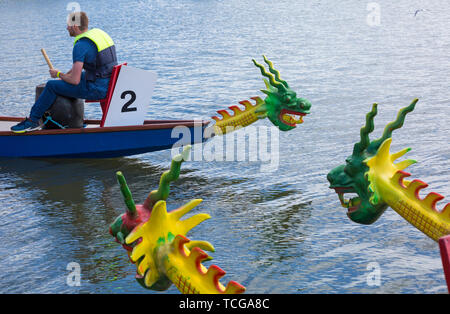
(106, 54)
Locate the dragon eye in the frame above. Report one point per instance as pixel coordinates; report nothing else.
(303, 104)
(287, 99)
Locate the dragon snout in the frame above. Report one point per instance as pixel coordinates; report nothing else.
(330, 178)
(338, 177)
(304, 105)
(334, 174)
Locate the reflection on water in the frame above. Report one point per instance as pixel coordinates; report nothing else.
(66, 207)
(276, 232)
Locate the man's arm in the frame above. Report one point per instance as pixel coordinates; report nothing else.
(73, 76)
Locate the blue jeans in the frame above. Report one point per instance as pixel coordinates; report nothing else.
(84, 90)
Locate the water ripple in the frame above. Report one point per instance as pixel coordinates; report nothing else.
(279, 232)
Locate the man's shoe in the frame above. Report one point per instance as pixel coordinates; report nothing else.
(25, 126)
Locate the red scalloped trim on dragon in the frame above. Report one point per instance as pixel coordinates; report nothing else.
(387, 180)
(413, 189)
(201, 280)
(239, 118)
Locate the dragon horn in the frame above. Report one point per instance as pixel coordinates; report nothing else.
(270, 76)
(131, 206)
(365, 131)
(394, 125)
(275, 72)
(168, 176)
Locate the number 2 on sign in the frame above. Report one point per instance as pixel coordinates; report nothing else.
(126, 107)
(131, 98)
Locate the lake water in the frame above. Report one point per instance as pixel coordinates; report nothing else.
(274, 232)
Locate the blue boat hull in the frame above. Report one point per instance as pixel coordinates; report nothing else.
(106, 142)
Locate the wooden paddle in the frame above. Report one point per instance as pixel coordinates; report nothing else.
(50, 65)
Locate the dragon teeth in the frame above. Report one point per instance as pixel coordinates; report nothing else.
(344, 202)
(292, 118)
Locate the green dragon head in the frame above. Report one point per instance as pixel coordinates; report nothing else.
(282, 106)
(156, 240)
(137, 214)
(352, 176)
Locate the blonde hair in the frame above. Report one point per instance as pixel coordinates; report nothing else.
(79, 19)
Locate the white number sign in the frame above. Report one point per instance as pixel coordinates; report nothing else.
(131, 97)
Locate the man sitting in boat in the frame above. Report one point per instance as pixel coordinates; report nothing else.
(93, 51)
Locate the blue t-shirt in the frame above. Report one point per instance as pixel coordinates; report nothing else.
(86, 51)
